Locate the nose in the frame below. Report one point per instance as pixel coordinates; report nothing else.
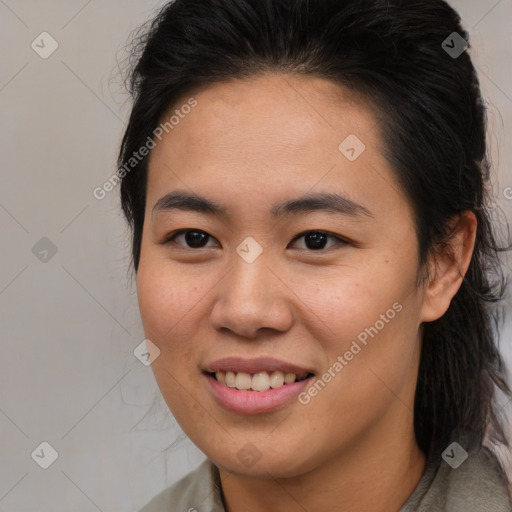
(252, 298)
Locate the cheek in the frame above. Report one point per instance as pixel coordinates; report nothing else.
(376, 343)
(169, 303)
(168, 299)
(369, 317)
(352, 298)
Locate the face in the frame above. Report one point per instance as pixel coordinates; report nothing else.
(308, 266)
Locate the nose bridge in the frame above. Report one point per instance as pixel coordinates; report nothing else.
(249, 278)
(251, 297)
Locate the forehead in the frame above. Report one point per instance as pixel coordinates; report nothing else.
(284, 111)
(245, 137)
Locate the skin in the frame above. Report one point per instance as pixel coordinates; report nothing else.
(248, 144)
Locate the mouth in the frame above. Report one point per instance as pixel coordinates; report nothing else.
(258, 381)
(256, 386)
(256, 391)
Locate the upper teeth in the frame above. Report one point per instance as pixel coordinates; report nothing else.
(261, 381)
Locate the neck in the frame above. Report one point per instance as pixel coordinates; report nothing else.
(378, 475)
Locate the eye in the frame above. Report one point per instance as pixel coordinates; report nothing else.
(316, 240)
(197, 239)
(193, 237)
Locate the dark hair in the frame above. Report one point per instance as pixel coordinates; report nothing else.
(432, 121)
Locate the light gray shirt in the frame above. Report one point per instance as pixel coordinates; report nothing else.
(475, 486)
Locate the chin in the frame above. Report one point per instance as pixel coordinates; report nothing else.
(261, 466)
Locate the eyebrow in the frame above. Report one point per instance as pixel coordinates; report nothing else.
(328, 202)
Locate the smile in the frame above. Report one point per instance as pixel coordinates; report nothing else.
(251, 401)
(260, 381)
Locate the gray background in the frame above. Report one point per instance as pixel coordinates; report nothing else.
(70, 324)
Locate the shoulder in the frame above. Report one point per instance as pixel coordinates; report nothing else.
(476, 485)
(198, 490)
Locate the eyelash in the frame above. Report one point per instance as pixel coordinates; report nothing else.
(170, 238)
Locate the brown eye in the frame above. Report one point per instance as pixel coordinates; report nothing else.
(197, 239)
(193, 239)
(317, 240)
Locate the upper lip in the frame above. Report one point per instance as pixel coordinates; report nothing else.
(261, 364)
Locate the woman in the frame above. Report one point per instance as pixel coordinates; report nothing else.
(306, 184)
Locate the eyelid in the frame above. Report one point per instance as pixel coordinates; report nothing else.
(170, 238)
(323, 232)
(341, 241)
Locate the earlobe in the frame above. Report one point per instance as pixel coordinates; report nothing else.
(448, 266)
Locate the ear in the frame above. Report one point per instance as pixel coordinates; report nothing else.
(448, 266)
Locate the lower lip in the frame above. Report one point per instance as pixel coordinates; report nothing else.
(255, 402)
